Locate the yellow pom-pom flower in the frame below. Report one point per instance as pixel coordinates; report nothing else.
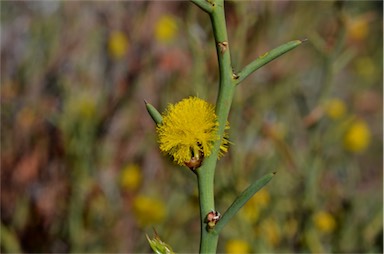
(335, 108)
(366, 68)
(166, 29)
(131, 177)
(189, 130)
(82, 106)
(117, 44)
(237, 246)
(324, 222)
(357, 137)
(270, 231)
(358, 27)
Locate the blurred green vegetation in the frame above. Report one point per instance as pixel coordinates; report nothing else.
(80, 167)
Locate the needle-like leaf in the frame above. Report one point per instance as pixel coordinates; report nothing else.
(156, 116)
(264, 59)
(241, 200)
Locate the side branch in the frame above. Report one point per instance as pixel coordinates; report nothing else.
(205, 5)
(264, 59)
(241, 200)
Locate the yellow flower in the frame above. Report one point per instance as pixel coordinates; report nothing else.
(130, 178)
(324, 222)
(290, 227)
(358, 28)
(188, 130)
(166, 29)
(366, 68)
(270, 231)
(335, 108)
(82, 105)
(237, 246)
(117, 44)
(357, 137)
(148, 210)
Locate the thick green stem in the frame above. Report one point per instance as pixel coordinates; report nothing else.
(206, 173)
(205, 178)
(226, 87)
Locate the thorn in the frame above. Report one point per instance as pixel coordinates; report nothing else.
(146, 102)
(304, 40)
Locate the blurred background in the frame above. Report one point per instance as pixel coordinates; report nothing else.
(81, 170)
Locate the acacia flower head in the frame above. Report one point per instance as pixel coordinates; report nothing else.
(237, 246)
(324, 221)
(335, 108)
(189, 130)
(131, 177)
(118, 44)
(166, 29)
(357, 136)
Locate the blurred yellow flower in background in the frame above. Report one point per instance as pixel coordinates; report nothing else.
(130, 177)
(188, 130)
(357, 136)
(148, 210)
(358, 27)
(251, 210)
(166, 29)
(290, 227)
(324, 222)
(82, 105)
(270, 231)
(335, 108)
(117, 44)
(366, 68)
(237, 246)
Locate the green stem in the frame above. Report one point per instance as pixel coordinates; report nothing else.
(206, 173)
(205, 178)
(226, 87)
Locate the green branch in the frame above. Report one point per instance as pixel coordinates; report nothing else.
(264, 59)
(205, 5)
